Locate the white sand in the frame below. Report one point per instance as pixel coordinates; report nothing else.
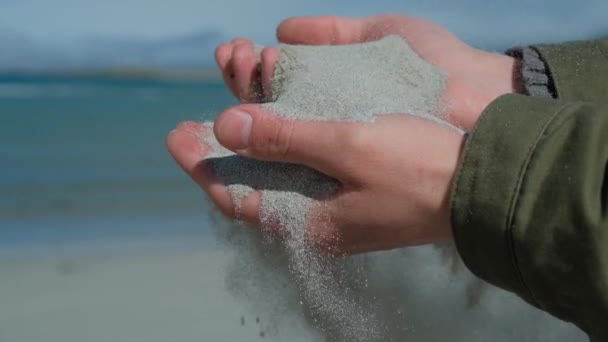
(346, 299)
(355, 82)
(330, 83)
(152, 295)
(178, 294)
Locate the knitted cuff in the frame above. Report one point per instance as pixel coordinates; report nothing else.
(534, 72)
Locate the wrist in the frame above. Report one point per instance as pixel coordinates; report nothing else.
(444, 169)
(500, 74)
(494, 75)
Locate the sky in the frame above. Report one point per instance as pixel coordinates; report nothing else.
(490, 24)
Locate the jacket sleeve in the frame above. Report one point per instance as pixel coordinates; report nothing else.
(529, 205)
(579, 70)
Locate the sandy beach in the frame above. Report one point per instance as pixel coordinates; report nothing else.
(158, 293)
(177, 292)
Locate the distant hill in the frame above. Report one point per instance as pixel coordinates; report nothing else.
(191, 51)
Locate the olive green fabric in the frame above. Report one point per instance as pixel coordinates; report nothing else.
(529, 203)
(579, 69)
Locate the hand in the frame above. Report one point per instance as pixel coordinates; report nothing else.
(394, 190)
(475, 77)
(402, 203)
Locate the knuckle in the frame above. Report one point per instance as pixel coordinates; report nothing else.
(335, 28)
(332, 246)
(326, 237)
(355, 141)
(327, 242)
(275, 138)
(240, 53)
(279, 141)
(357, 147)
(240, 41)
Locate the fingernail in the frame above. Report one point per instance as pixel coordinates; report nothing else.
(237, 129)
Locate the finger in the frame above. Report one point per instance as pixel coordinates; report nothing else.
(322, 30)
(249, 208)
(223, 53)
(321, 232)
(247, 78)
(270, 57)
(253, 131)
(239, 40)
(223, 57)
(185, 145)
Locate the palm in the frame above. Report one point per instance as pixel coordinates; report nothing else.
(471, 72)
(430, 41)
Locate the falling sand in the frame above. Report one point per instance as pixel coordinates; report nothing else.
(329, 83)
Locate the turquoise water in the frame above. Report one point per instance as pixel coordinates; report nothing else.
(84, 159)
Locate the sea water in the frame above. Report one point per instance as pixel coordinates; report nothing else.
(76, 151)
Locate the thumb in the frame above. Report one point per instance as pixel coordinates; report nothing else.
(252, 131)
(322, 30)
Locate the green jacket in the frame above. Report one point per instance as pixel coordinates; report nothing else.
(530, 201)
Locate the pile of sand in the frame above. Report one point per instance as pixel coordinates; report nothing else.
(331, 83)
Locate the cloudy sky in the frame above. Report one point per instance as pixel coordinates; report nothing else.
(488, 23)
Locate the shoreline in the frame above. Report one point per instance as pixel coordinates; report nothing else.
(120, 73)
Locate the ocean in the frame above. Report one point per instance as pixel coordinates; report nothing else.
(84, 159)
(103, 238)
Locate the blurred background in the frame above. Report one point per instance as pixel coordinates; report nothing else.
(102, 238)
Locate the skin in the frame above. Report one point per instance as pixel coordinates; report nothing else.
(404, 202)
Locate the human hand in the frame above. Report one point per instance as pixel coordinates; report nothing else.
(395, 174)
(475, 77)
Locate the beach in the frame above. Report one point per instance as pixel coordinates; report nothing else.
(103, 238)
(123, 293)
(176, 291)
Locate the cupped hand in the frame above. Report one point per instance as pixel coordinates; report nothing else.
(475, 77)
(395, 174)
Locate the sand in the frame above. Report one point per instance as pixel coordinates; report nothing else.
(151, 293)
(355, 82)
(329, 83)
(160, 293)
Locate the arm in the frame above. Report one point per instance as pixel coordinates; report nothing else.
(530, 215)
(497, 205)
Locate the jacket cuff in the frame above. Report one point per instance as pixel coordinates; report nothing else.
(535, 75)
(579, 69)
(488, 184)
